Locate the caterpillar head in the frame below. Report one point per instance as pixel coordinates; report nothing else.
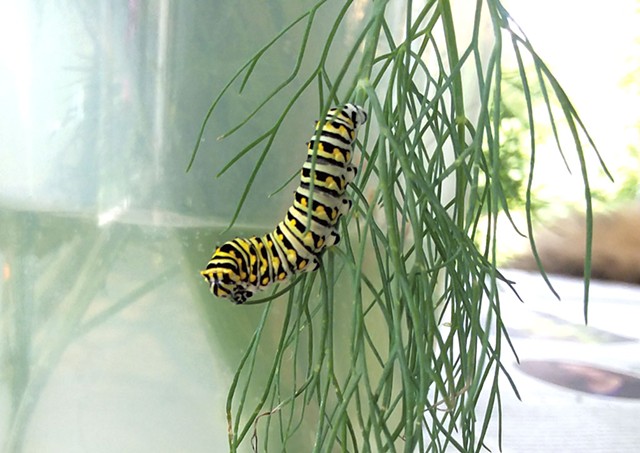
(223, 276)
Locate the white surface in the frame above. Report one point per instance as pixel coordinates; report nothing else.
(552, 418)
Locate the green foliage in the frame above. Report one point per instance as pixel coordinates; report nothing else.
(513, 164)
(629, 177)
(395, 344)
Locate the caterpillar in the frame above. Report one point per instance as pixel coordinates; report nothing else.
(240, 267)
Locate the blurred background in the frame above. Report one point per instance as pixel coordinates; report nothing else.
(595, 54)
(110, 340)
(579, 385)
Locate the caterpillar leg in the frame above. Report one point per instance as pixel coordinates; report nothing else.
(313, 264)
(352, 171)
(333, 238)
(345, 205)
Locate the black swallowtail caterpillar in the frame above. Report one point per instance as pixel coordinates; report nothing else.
(242, 266)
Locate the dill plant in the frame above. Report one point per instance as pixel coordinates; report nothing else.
(389, 346)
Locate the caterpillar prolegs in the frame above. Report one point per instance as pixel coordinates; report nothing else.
(242, 266)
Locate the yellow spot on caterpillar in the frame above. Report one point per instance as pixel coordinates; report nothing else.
(337, 155)
(252, 278)
(265, 281)
(282, 276)
(320, 210)
(276, 262)
(302, 265)
(348, 156)
(308, 239)
(292, 256)
(304, 202)
(320, 242)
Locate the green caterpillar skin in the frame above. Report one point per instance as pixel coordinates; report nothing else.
(242, 266)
